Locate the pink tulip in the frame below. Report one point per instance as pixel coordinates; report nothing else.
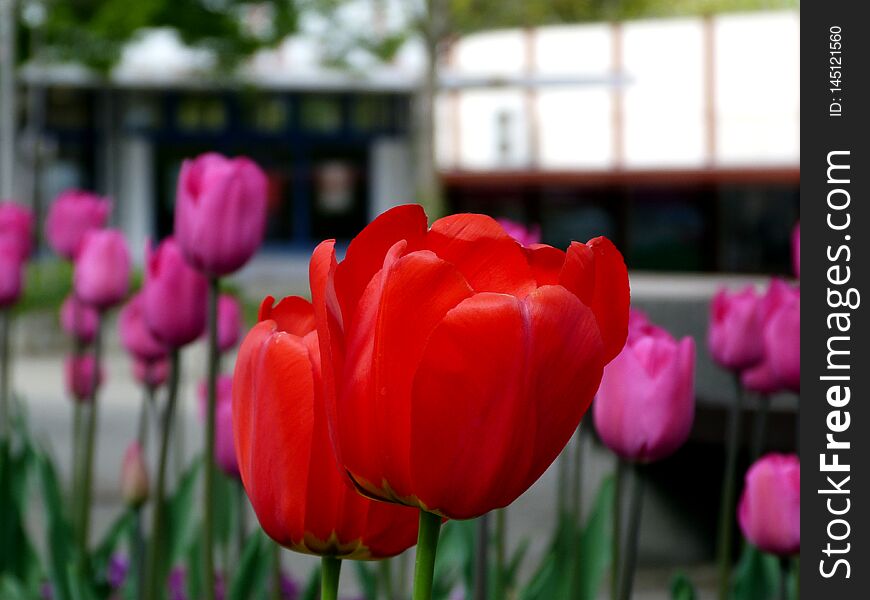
(796, 250)
(136, 337)
(79, 320)
(640, 326)
(762, 377)
(770, 508)
(79, 377)
(102, 269)
(175, 296)
(220, 212)
(229, 322)
(225, 449)
(646, 402)
(735, 323)
(782, 343)
(526, 235)
(151, 373)
(134, 476)
(16, 222)
(70, 217)
(11, 272)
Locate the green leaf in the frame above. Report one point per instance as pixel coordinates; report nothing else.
(682, 588)
(120, 528)
(253, 570)
(368, 579)
(181, 526)
(60, 543)
(11, 589)
(756, 576)
(593, 550)
(312, 586)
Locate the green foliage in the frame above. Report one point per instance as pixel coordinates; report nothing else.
(682, 588)
(252, 574)
(756, 576)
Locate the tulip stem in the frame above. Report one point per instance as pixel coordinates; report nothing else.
(90, 438)
(276, 572)
(329, 573)
(633, 534)
(481, 559)
(783, 578)
(155, 546)
(500, 552)
(5, 413)
(213, 356)
(577, 482)
(385, 574)
(760, 426)
(726, 506)
(427, 546)
(615, 548)
(242, 521)
(145, 417)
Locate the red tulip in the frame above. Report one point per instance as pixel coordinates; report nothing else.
(78, 319)
(136, 337)
(151, 373)
(11, 272)
(16, 222)
(770, 508)
(102, 269)
(796, 250)
(225, 450)
(735, 323)
(427, 334)
(70, 217)
(220, 212)
(134, 476)
(229, 321)
(646, 403)
(762, 377)
(287, 465)
(175, 296)
(79, 376)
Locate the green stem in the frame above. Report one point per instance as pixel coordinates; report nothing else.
(481, 559)
(242, 518)
(760, 427)
(155, 546)
(75, 484)
(796, 568)
(783, 578)
(385, 575)
(577, 481)
(726, 506)
(631, 546)
(500, 552)
(145, 417)
(276, 572)
(208, 498)
(5, 413)
(138, 553)
(615, 549)
(427, 546)
(90, 436)
(329, 573)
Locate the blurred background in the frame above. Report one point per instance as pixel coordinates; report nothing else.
(671, 127)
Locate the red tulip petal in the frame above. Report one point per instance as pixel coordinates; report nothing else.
(546, 263)
(365, 254)
(595, 272)
(490, 259)
(292, 314)
(499, 391)
(414, 292)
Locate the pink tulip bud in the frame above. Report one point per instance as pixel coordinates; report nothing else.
(11, 271)
(78, 319)
(526, 235)
(175, 296)
(79, 377)
(762, 377)
(796, 250)
(646, 402)
(735, 323)
(16, 222)
(102, 269)
(225, 449)
(229, 322)
(770, 508)
(151, 373)
(220, 212)
(782, 342)
(134, 476)
(71, 216)
(136, 337)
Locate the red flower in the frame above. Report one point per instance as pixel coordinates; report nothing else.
(456, 362)
(286, 461)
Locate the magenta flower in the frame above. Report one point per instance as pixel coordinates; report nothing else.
(79, 377)
(70, 217)
(225, 449)
(229, 321)
(136, 337)
(526, 235)
(102, 269)
(784, 338)
(151, 373)
(735, 322)
(16, 223)
(782, 342)
(11, 272)
(770, 508)
(175, 296)
(646, 402)
(220, 212)
(79, 320)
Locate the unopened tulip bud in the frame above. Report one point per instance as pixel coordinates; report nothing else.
(78, 319)
(72, 215)
(102, 269)
(735, 324)
(134, 476)
(770, 508)
(16, 223)
(79, 377)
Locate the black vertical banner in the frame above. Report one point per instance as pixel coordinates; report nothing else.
(835, 362)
